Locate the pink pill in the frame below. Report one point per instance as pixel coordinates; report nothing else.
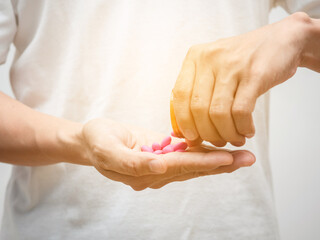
(173, 135)
(180, 145)
(158, 152)
(156, 146)
(145, 148)
(180, 150)
(165, 142)
(168, 149)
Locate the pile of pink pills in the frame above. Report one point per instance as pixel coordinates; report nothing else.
(165, 147)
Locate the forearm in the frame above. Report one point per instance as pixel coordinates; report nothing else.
(310, 57)
(31, 138)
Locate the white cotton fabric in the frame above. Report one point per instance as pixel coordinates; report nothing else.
(312, 7)
(119, 59)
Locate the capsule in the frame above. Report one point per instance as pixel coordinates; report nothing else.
(158, 152)
(165, 142)
(145, 148)
(180, 150)
(168, 149)
(173, 134)
(180, 145)
(156, 146)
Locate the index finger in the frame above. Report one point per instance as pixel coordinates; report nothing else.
(177, 164)
(241, 159)
(185, 162)
(181, 95)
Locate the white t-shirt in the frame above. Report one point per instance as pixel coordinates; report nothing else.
(119, 59)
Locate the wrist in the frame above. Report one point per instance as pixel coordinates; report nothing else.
(63, 143)
(74, 148)
(309, 30)
(297, 31)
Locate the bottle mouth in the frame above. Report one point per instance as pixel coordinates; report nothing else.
(174, 123)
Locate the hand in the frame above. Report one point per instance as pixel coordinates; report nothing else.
(216, 90)
(114, 150)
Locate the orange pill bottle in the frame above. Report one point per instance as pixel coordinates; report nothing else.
(174, 123)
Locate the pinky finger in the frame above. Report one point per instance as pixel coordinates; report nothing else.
(242, 109)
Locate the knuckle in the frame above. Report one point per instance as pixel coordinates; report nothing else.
(203, 55)
(228, 160)
(255, 72)
(97, 149)
(193, 50)
(241, 110)
(253, 81)
(301, 16)
(219, 111)
(198, 106)
(135, 168)
(180, 94)
(197, 51)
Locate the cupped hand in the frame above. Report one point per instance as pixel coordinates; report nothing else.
(219, 83)
(114, 150)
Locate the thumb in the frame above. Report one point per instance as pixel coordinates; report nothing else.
(131, 161)
(196, 142)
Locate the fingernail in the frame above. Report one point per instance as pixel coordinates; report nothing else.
(156, 166)
(247, 158)
(190, 134)
(250, 135)
(165, 142)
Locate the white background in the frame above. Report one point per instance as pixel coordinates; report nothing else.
(294, 150)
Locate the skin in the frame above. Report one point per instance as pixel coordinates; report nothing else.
(219, 83)
(114, 150)
(234, 71)
(31, 138)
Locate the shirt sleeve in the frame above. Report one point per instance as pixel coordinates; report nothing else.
(8, 28)
(311, 7)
